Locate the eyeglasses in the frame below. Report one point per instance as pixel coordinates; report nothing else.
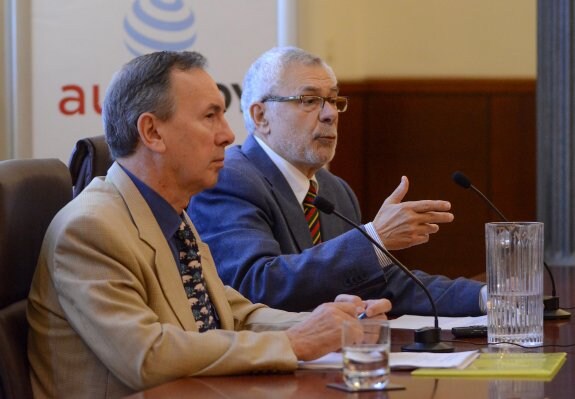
(311, 103)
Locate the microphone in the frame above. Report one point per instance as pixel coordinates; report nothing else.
(551, 303)
(427, 339)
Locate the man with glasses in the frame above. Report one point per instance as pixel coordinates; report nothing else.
(270, 242)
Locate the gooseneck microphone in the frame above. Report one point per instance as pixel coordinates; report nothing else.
(427, 339)
(551, 303)
(462, 180)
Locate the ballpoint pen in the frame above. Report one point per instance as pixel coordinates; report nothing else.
(362, 316)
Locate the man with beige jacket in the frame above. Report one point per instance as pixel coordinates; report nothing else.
(126, 295)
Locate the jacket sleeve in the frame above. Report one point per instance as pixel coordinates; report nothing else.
(255, 251)
(106, 284)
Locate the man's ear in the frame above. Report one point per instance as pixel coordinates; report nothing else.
(150, 134)
(258, 114)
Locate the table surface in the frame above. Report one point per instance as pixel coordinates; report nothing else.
(313, 384)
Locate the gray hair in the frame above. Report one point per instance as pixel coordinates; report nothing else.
(265, 74)
(142, 85)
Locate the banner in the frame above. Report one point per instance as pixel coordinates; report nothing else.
(77, 45)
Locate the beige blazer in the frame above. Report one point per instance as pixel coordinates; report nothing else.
(108, 313)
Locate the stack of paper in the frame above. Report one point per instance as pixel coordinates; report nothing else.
(411, 322)
(415, 360)
(402, 360)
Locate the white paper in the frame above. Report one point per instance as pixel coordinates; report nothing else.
(401, 360)
(411, 322)
(332, 360)
(413, 360)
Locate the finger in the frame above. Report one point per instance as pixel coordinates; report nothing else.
(377, 307)
(397, 196)
(424, 238)
(348, 298)
(432, 228)
(436, 217)
(424, 229)
(350, 309)
(424, 206)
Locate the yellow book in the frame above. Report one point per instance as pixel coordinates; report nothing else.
(510, 365)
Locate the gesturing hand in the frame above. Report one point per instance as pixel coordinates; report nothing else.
(405, 224)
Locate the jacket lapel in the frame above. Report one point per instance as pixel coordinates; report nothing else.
(165, 268)
(281, 191)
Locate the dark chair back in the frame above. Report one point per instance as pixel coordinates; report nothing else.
(90, 158)
(32, 191)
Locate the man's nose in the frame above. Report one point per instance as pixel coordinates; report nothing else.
(328, 112)
(226, 135)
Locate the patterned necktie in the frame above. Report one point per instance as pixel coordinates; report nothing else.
(190, 267)
(312, 213)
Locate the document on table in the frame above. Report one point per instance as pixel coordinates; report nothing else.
(401, 360)
(411, 322)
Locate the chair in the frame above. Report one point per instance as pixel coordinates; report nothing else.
(32, 191)
(90, 158)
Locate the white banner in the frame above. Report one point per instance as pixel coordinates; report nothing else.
(77, 45)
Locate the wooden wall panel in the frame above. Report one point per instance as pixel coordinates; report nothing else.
(426, 130)
(350, 143)
(513, 155)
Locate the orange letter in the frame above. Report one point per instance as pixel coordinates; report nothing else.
(78, 100)
(96, 99)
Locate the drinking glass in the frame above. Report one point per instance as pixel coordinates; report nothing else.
(514, 282)
(365, 347)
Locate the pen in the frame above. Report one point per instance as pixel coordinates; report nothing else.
(362, 316)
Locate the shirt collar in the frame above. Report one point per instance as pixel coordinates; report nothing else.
(167, 218)
(298, 182)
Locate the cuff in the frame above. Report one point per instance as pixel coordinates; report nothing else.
(383, 259)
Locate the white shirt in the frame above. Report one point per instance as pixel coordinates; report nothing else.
(299, 183)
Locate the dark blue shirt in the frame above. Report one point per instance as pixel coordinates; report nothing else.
(167, 218)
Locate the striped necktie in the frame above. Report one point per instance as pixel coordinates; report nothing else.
(312, 213)
(190, 267)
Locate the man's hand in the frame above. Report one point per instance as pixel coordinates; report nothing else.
(320, 333)
(405, 224)
(373, 308)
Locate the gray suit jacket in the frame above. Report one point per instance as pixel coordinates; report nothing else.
(262, 246)
(108, 312)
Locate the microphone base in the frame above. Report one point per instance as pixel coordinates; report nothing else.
(439, 347)
(428, 339)
(551, 309)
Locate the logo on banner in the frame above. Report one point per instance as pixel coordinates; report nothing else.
(155, 25)
(149, 26)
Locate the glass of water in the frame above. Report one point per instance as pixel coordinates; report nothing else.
(514, 283)
(365, 348)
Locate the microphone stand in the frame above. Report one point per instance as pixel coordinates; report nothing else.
(551, 309)
(426, 339)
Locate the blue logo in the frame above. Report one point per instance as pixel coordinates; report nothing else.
(156, 25)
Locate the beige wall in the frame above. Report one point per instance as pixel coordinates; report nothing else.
(421, 38)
